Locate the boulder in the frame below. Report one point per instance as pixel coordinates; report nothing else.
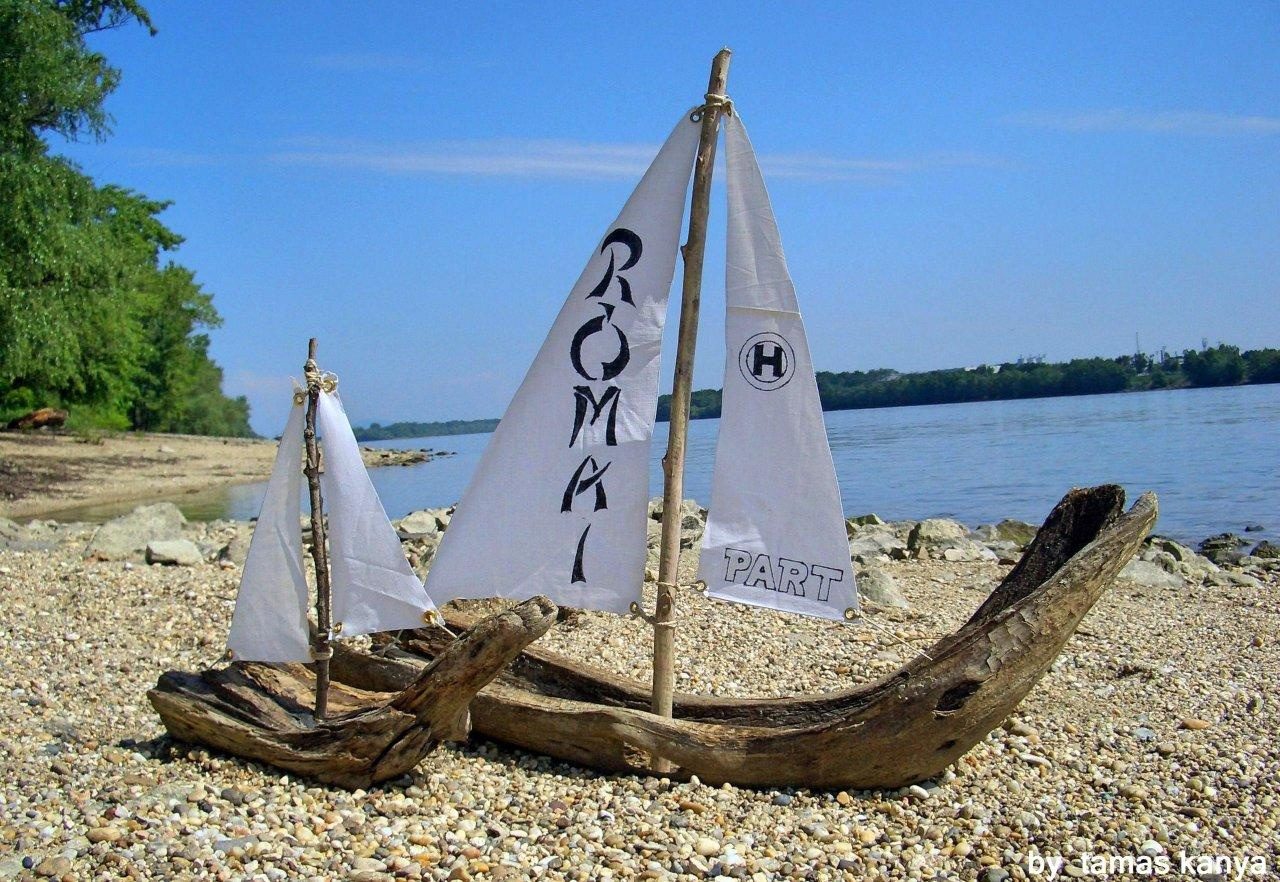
(417, 524)
(1266, 550)
(127, 537)
(959, 551)
(1018, 532)
(852, 524)
(872, 543)
(878, 587)
(1006, 552)
(1223, 548)
(174, 552)
(1150, 575)
(691, 515)
(935, 531)
(1179, 551)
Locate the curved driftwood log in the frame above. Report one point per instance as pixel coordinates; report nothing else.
(374, 731)
(905, 728)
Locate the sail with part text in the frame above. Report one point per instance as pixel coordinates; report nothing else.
(557, 504)
(775, 534)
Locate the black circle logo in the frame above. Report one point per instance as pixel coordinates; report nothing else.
(767, 361)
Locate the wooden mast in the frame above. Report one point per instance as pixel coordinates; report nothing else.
(673, 463)
(321, 651)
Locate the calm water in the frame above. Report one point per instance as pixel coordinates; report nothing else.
(1212, 455)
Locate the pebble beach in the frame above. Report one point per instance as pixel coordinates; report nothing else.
(1153, 736)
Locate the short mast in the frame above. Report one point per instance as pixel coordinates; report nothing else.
(321, 651)
(673, 463)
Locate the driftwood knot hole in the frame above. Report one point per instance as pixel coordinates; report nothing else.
(954, 698)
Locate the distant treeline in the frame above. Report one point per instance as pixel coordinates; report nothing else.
(1221, 365)
(376, 432)
(94, 316)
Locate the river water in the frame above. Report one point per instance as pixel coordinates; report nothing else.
(1212, 455)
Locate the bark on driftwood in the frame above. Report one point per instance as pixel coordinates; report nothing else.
(905, 728)
(374, 730)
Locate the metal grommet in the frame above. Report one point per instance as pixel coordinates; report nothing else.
(299, 397)
(700, 586)
(229, 656)
(696, 116)
(850, 614)
(337, 628)
(635, 609)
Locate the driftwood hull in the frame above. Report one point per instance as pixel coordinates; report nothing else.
(903, 729)
(377, 727)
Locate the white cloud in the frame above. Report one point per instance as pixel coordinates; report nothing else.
(1175, 122)
(584, 159)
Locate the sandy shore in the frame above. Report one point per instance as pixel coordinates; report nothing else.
(42, 473)
(1155, 733)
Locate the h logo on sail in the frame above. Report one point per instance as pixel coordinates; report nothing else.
(767, 361)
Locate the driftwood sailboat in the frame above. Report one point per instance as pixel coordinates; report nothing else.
(558, 506)
(260, 706)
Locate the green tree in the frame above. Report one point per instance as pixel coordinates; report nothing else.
(89, 317)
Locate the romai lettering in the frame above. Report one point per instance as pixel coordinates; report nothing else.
(583, 398)
(589, 404)
(786, 576)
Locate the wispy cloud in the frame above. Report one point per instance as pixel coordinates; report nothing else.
(520, 158)
(1172, 122)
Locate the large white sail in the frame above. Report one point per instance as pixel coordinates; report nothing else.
(270, 621)
(775, 533)
(557, 504)
(374, 588)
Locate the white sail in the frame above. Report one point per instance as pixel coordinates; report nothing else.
(557, 504)
(374, 588)
(775, 533)
(270, 621)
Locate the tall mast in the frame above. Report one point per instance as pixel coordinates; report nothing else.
(320, 650)
(673, 463)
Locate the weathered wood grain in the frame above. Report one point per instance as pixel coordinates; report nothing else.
(374, 730)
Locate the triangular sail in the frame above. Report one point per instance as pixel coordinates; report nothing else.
(775, 533)
(374, 588)
(270, 621)
(557, 504)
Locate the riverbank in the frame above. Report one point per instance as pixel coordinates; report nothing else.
(1153, 734)
(42, 472)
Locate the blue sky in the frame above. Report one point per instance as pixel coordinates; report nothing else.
(419, 185)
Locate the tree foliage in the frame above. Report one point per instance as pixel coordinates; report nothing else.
(93, 316)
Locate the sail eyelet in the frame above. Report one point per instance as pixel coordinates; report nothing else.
(337, 628)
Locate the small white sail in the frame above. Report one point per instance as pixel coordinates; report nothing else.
(775, 533)
(374, 588)
(557, 504)
(270, 621)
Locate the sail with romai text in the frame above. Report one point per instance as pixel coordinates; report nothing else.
(557, 505)
(558, 502)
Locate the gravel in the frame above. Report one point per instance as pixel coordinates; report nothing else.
(1154, 733)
